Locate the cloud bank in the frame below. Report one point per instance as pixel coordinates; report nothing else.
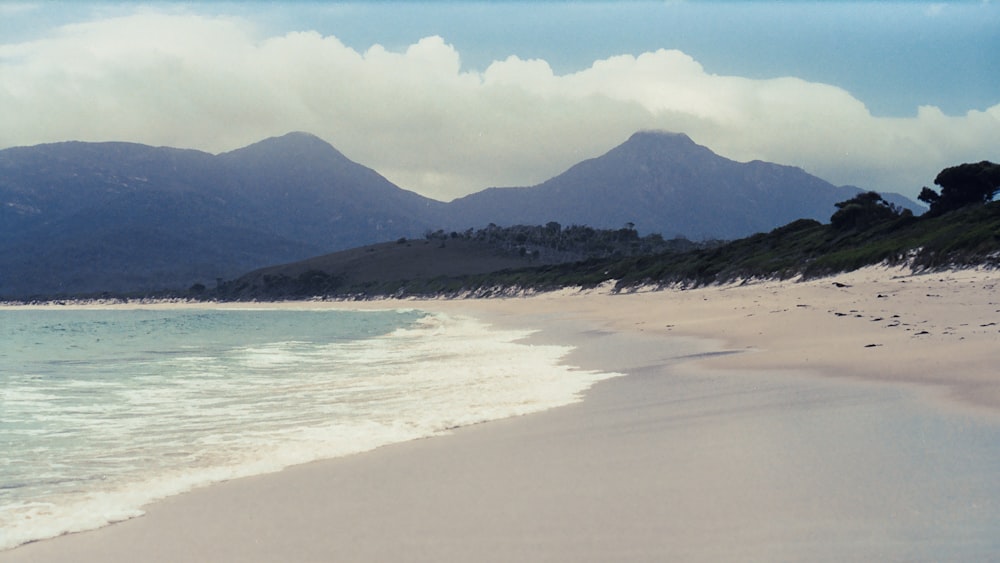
(418, 118)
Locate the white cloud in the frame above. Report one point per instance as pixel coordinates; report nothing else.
(418, 118)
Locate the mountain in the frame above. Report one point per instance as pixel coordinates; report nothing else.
(665, 183)
(305, 189)
(91, 217)
(123, 217)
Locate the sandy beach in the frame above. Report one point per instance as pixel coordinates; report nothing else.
(768, 421)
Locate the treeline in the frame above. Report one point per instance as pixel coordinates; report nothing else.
(864, 230)
(966, 237)
(552, 243)
(962, 229)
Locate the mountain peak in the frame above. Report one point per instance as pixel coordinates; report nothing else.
(664, 182)
(660, 135)
(298, 137)
(297, 144)
(661, 141)
(660, 149)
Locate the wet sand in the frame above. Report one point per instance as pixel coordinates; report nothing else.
(859, 420)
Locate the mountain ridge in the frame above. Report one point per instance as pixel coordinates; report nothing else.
(677, 187)
(78, 217)
(91, 217)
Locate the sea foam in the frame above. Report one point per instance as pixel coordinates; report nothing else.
(97, 431)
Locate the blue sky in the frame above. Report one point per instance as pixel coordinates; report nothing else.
(893, 56)
(876, 94)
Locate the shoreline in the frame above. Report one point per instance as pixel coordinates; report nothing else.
(611, 333)
(877, 323)
(937, 333)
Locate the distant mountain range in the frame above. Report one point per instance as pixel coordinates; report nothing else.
(92, 217)
(667, 184)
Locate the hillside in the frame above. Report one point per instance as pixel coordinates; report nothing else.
(437, 261)
(94, 217)
(664, 183)
(376, 269)
(123, 217)
(968, 237)
(305, 189)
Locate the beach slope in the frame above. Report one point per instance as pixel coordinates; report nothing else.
(851, 418)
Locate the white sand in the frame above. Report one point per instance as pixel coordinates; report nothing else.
(940, 331)
(777, 454)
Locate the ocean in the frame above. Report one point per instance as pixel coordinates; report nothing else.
(105, 411)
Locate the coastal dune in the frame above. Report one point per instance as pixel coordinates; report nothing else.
(846, 418)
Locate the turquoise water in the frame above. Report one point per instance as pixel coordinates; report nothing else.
(103, 411)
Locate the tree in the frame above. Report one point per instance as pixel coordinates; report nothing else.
(965, 184)
(863, 211)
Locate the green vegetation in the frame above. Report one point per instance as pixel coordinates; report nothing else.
(966, 237)
(867, 231)
(306, 284)
(864, 211)
(554, 243)
(962, 185)
(961, 230)
(443, 263)
(864, 231)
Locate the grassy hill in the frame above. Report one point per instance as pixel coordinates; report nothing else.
(964, 238)
(506, 260)
(379, 269)
(469, 266)
(441, 262)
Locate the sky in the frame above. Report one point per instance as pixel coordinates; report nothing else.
(447, 98)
